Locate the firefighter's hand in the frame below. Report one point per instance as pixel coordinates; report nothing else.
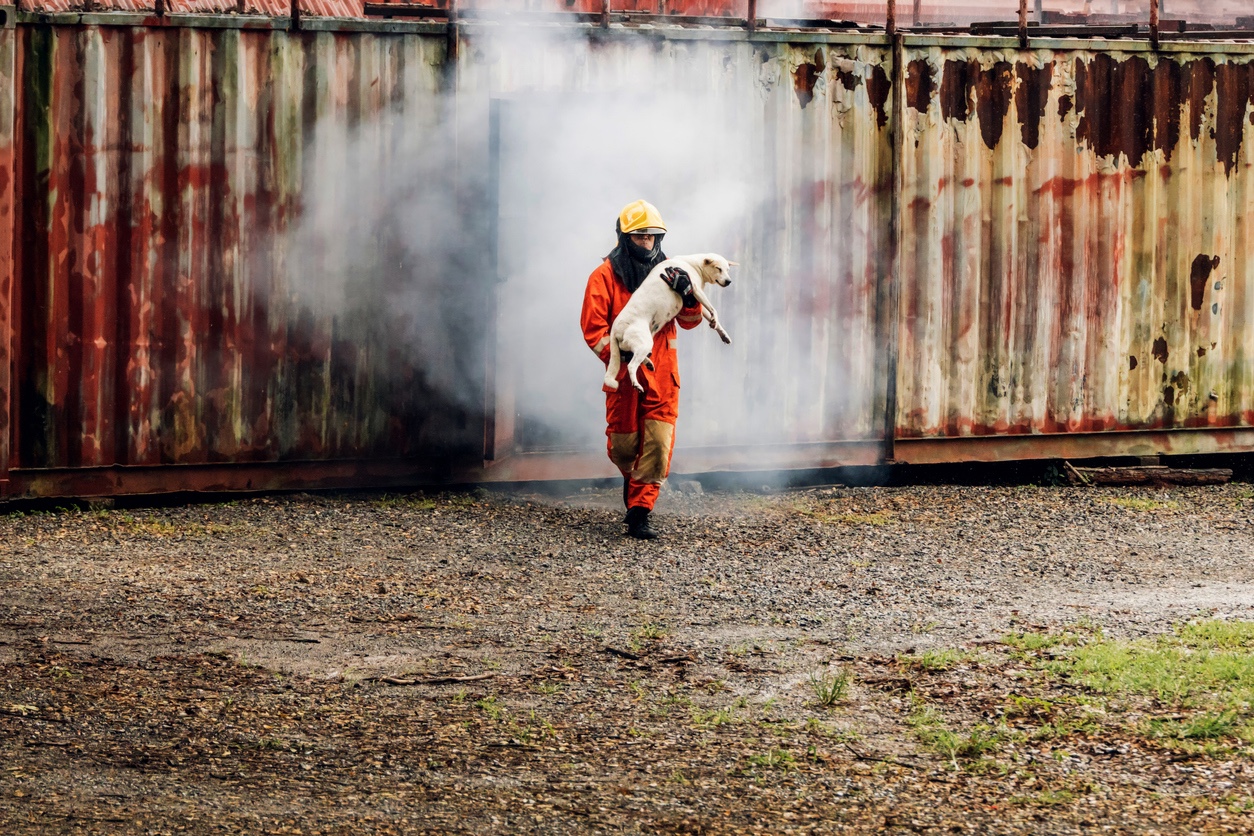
(679, 282)
(678, 279)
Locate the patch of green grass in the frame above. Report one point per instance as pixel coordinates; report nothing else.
(1168, 669)
(491, 707)
(415, 502)
(651, 632)
(1032, 642)
(547, 688)
(1204, 726)
(713, 718)
(1203, 672)
(830, 687)
(937, 661)
(774, 759)
(827, 514)
(1217, 634)
(932, 731)
(1134, 503)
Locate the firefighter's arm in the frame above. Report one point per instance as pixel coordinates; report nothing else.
(689, 316)
(595, 316)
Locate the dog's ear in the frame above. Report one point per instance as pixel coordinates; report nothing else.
(709, 262)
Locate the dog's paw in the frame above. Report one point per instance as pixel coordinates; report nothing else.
(725, 338)
(611, 384)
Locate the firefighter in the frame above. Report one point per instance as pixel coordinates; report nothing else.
(640, 427)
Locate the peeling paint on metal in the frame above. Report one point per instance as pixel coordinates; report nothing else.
(1039, 264)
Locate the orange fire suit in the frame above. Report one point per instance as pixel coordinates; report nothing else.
(640, 427)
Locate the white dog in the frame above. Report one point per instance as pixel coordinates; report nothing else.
(654, 304)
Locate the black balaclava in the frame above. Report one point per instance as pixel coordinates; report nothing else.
(631, 262)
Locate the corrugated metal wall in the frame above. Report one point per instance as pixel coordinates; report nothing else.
(1071, 261)
(1075, 252)
(159, 171)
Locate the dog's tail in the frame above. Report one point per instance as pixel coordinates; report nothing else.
(616, 362)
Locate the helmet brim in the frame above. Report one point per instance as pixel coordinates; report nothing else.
(648, 230)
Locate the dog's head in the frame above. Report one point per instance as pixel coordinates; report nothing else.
(715, 268)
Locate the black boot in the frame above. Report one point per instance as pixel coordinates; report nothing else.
(638, 524)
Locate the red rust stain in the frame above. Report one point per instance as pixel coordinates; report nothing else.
(1004, 181)
(878, 89)
(1201, 351)
(1110, 95)
(1064, 106)
(849, 80)
(1199, 80)
(1199, 275)
(1232, 81)
(1132, 363)
(955, 89)
(918, 85)
(1159, 350)
(1065, 187)
(805, 76)
(919, 204)
(1031, 94)
(1166, 84)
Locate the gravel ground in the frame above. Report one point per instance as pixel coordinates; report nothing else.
(501, 662)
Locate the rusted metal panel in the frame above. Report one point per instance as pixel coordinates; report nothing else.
(1074, 446)
(333, 8)
(161, 170)
(8, 71)
(1075, 250)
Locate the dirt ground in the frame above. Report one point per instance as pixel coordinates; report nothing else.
(832, 659)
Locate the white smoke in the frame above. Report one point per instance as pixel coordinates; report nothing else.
(400, 210)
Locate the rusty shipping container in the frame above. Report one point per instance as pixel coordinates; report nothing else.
(1074, 251)
(249, 252)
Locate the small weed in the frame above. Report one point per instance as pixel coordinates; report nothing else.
(713, 718)
(415, 502)
(547, 688)
(936, 660)
(1032, 707)
(824, 514)
(490, 707)
(715, 686)
(678, 777)
(931, 730)
(651, 632)
(830, 687)
(774, 759)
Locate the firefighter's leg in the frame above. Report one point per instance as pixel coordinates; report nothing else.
(656, 413)
(622, 432)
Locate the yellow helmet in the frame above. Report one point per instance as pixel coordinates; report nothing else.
(641, 218)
